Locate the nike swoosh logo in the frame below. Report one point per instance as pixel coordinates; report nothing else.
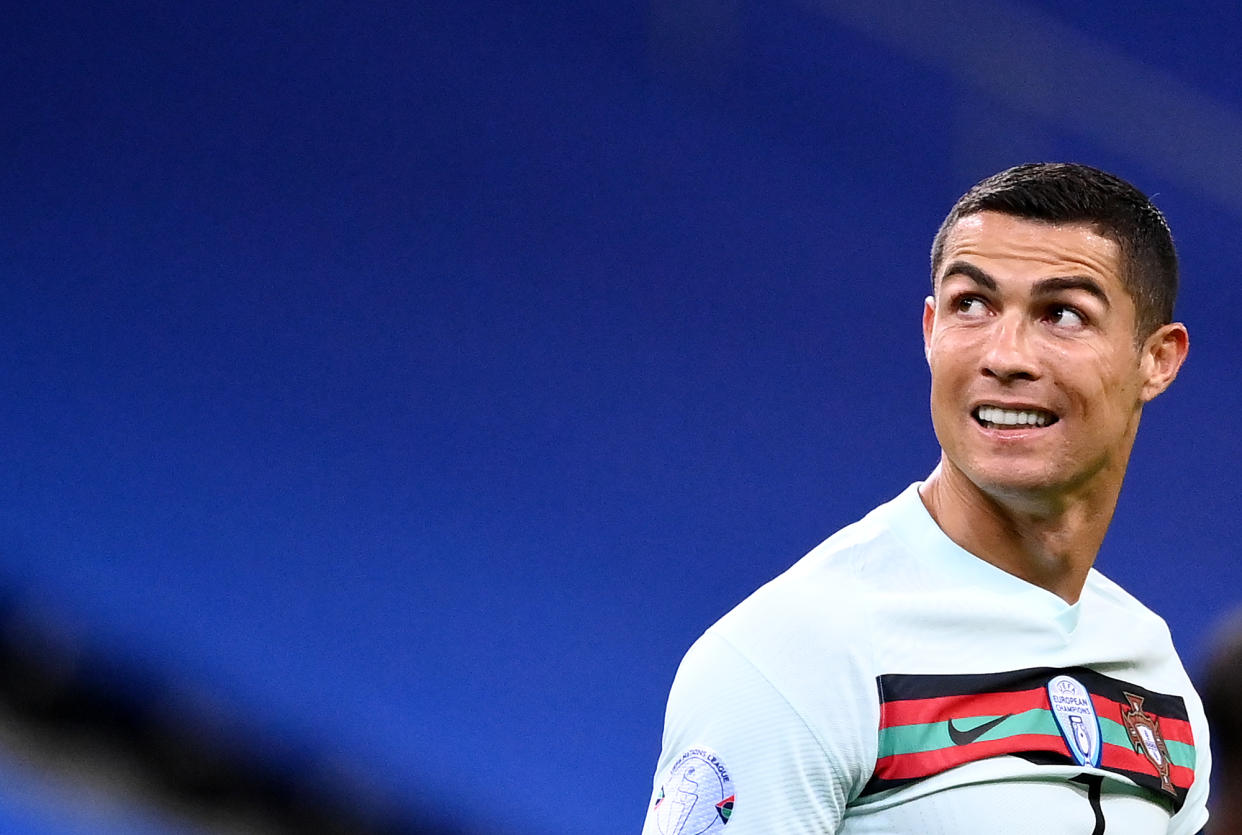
(961, 737)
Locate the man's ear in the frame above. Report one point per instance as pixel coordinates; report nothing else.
(929, 319)
(1163, 355)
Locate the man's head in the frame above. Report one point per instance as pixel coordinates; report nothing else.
(1069, 193)
(1040, 353)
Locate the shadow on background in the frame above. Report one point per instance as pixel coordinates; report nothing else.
(117, 734)
(1222, 699)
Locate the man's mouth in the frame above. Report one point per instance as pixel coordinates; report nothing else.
(994, 417)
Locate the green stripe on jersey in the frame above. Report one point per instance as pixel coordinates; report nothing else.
(932, 736)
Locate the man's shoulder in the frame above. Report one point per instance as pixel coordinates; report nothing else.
(1121, 603)
(1126, 625)
(826, 596)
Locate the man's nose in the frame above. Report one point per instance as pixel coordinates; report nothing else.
(1010, 353)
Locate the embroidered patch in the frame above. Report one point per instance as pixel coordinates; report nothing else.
(1076, 717)
(697, 796)
(1145, 736)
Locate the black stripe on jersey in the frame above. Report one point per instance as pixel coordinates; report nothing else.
(895, 687)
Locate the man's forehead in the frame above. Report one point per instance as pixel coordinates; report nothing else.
(1007, 238)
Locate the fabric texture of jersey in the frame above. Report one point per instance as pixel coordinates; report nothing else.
(890, 681)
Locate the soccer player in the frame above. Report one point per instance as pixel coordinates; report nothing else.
(952, 663)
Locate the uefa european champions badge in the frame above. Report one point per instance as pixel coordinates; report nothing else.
(1077, 719)
(697, 796)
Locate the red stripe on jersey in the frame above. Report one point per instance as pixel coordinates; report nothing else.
(1119, 756)
(1175, 730)
(944, 708)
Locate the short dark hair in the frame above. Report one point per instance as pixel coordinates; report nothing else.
(1058, 192)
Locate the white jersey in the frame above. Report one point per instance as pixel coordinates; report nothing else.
(892, 682)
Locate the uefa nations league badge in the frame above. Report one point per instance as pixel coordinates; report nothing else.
(1076, 717)
(697, 797)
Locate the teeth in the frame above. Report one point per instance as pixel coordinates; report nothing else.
(1012, 417)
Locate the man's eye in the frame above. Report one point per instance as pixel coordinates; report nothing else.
(969, 305)
(1066, 317)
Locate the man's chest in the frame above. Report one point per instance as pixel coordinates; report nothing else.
(970, 803)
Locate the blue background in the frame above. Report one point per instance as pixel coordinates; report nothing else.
(417, 381)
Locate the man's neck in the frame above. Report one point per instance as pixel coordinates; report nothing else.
(1050, 542)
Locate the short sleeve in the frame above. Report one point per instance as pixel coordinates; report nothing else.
(1193, 815)
(736, 748)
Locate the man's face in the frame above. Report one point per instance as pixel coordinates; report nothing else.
(1037, 383)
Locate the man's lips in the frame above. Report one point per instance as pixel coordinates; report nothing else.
(1012, 417)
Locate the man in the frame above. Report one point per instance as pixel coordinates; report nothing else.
(952, 663)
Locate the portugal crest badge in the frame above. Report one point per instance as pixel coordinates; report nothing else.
(1146, 738)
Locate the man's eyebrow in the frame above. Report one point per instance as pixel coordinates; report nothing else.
(972, 272)
(1043, 287)
(1057, 284)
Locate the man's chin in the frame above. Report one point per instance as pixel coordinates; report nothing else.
(1018, 483)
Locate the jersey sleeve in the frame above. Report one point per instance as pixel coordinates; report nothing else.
(1193, 815)
(736, 750)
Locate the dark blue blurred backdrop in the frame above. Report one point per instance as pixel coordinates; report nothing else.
(418, 380)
